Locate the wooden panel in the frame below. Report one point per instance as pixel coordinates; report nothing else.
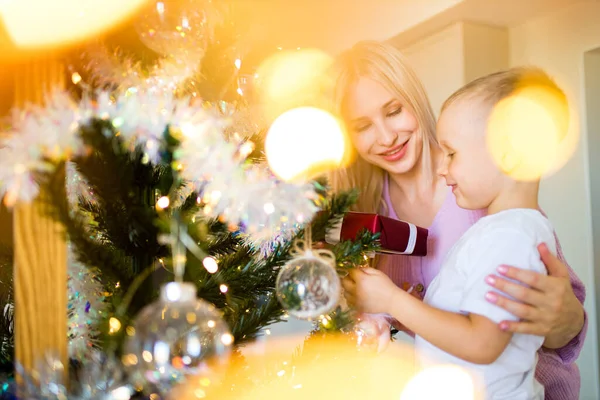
(39, 245)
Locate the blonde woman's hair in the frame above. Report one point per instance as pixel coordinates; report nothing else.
(386, 65)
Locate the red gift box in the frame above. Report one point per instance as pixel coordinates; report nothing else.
(397, 237)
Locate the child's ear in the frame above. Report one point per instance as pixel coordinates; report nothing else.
(510, 160)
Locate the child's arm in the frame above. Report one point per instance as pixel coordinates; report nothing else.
(471, 337)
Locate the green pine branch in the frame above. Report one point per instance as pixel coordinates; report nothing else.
(89, 249)
(249, 318)
(354, 253)
(124, 186)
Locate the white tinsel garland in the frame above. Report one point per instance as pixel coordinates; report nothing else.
(245, 195)
(86, 293)
(122, 72)
(38, 136)
(86, 306)
(77, 187)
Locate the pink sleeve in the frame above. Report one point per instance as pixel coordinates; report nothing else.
(570, 352)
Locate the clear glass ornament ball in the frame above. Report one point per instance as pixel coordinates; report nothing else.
(371, 333)
(175, 27)
(176, 337)
(308, 287)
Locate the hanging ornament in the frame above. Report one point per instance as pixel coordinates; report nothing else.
(308, 286)
(176, 28)
(179, 336)
(372, 333)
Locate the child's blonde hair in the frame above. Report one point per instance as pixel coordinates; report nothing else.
(493, 88)
(384, 64)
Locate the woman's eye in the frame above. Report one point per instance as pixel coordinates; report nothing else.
(362, 128)
(395, 112)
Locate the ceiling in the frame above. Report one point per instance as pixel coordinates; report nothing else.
(334, 25)
(505, 13)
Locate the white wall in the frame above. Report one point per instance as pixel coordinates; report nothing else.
(557, 42)
(486, 49)
(455, 55)
(438, 61)
(592, 95)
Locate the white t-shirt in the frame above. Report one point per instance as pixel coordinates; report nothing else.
(511, 238)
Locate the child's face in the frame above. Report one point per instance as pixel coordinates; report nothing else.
(467, 165)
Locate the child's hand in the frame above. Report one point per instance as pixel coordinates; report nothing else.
(368, 290)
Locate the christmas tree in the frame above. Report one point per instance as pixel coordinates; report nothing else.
(166, 181)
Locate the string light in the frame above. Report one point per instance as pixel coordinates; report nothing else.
(269, 208)
(147, 356)
(227, 339)
(75, 78)
(163, 202)
(191, 318)
(223, 288)
(210, 264)
(246, 148)
(114, 325)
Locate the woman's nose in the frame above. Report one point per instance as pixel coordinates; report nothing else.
(387, 135)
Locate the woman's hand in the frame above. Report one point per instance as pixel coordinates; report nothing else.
(546, 305)
(368, 290)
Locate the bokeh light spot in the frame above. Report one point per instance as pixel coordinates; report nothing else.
(304, 142)
(526, 132)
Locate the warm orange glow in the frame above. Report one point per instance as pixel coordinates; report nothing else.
(291, 79)
(50, 23)
(329, 368)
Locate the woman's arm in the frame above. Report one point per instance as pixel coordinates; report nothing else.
(551, 306)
